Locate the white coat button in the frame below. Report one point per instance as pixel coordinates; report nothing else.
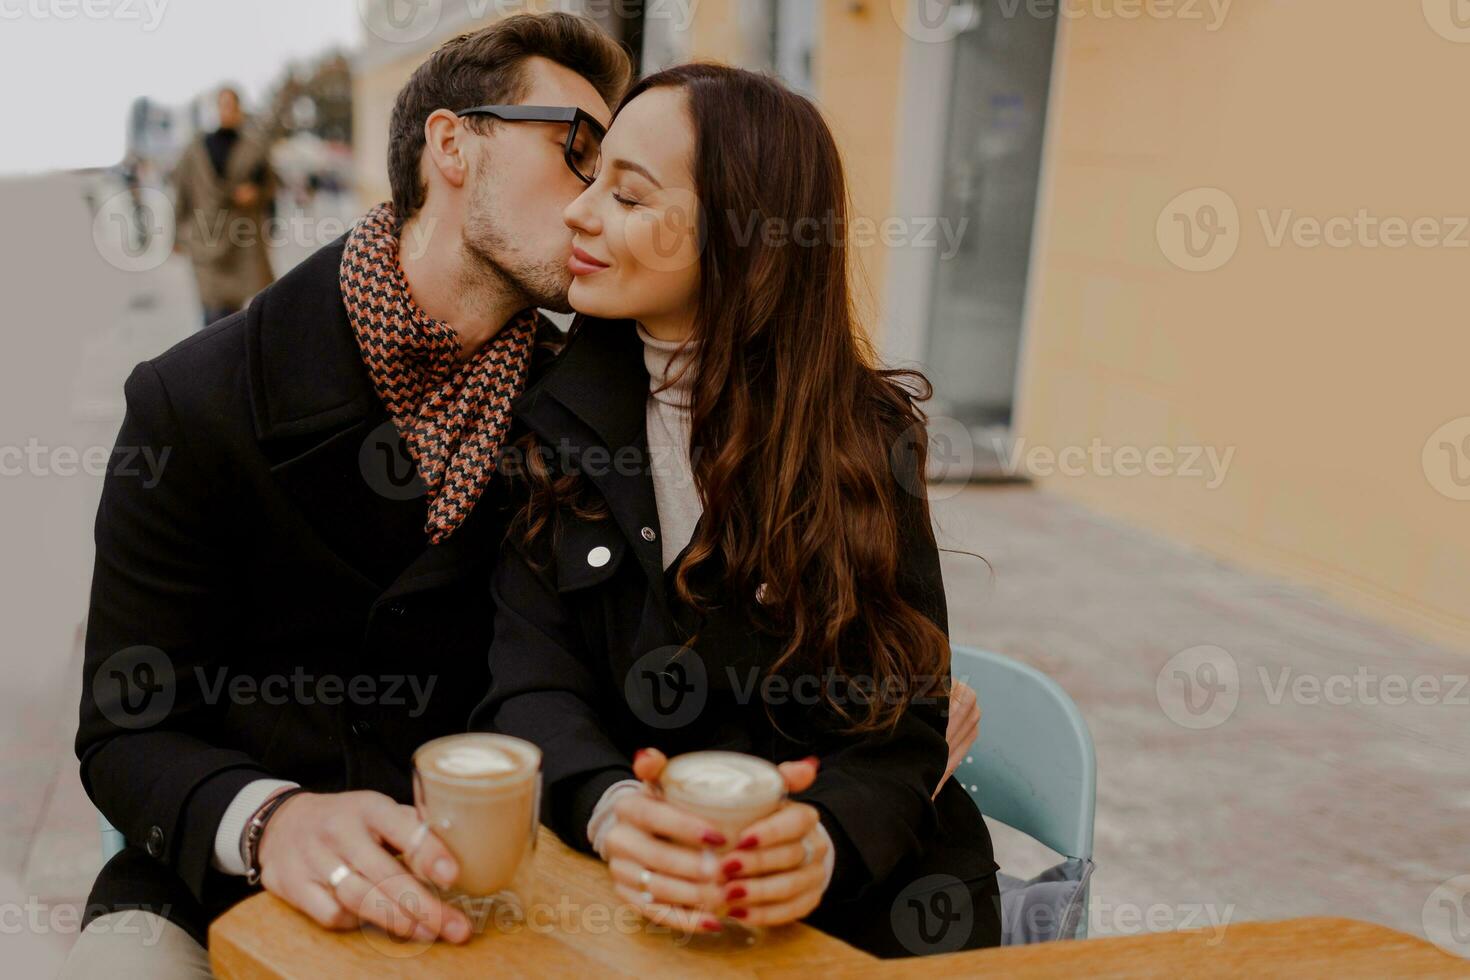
(599, 556)
(648, 534)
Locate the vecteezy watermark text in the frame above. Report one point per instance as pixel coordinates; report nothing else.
(39, 460)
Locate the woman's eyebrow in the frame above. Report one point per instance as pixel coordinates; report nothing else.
(629, 165)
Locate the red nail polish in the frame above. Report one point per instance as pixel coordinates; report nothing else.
(713, 838)
(738, 913)
(732, 868)
(711, 925)
(639, 754)
(747, 842)
(735, 893)
(816, 763)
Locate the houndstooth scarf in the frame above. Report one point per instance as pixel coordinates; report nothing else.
(452, 415)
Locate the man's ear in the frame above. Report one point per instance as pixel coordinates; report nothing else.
(445, 147)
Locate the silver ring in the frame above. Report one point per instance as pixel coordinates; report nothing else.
(645, 878)
(420, 832)
(808, 851)
(339, 874)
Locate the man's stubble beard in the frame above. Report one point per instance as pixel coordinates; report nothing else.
(491, 260)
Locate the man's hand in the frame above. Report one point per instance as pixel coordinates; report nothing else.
(312, 835)
(964, 727)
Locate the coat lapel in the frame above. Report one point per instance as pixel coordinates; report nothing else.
(326, 435)
(594, 398)
(333, 448)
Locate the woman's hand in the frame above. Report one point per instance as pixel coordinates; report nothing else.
(963, 729)
(662, 859)
(662, 863)
(778, 870)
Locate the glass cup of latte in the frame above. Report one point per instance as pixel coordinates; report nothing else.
(480, 793)
(730, 790)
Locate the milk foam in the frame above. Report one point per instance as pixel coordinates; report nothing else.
(720, 782)
(475, 760)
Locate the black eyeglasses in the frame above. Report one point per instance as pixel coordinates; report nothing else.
(583, 148)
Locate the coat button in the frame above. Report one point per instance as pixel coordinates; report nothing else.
(361, 728)
(599, 556)
(397, 609)
(648, 534)
(154, 844)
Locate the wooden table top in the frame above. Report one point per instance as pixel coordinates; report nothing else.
(578, 928)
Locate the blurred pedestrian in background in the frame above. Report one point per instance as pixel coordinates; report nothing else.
(225, 189)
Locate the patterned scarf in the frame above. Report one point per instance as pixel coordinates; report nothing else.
(452, 415)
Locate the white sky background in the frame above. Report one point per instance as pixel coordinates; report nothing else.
(66, 84)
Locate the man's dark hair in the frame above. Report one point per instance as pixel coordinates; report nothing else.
(488, 67)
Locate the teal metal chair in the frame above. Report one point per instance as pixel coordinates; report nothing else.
(1032, 768)
(112, 839)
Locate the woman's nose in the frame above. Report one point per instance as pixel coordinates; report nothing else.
(580, 216)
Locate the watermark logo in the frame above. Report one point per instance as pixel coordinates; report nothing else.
(35, 459)
(1130, 919)
(1209, 464)
(1199, 231)
(1446, 916)
(949, 451)
(1446, 458)
(1363, 229)
(135, 687)
(397, 904)
(38, 918)
(148, 13)
(935, 21)
(1199, 688)
(665, 238)
(938, 21)
(387, 467)
(678, 13)
(134, 230)
(667, 687)
(933, 915)
(1450, 19)
(400, 21)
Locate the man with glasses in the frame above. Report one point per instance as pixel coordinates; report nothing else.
(299, 600)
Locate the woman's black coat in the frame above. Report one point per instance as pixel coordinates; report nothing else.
(589, 663)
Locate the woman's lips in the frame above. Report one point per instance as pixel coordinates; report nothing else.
(583, 264)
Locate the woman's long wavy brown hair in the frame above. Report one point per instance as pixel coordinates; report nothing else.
(796, 433)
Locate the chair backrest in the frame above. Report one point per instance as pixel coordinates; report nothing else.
(112, 839)
(1033, 767)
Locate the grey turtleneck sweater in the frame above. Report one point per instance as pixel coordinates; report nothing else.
(670, 401)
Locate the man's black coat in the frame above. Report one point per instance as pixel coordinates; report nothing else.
(265, 602)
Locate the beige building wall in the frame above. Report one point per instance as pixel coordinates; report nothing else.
(1326, 369)
(859, 76)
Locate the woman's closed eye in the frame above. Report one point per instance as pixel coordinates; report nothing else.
(627, 202)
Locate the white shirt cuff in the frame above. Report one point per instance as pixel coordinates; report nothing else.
(229, 839)
(603, 817)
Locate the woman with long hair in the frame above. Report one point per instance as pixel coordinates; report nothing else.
(724, 542)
